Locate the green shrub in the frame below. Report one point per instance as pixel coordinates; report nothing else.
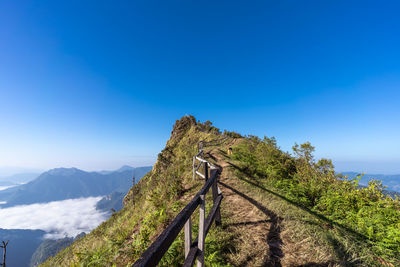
(366, 211)
(232, 134)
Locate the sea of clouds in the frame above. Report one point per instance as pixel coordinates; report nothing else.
(58, 218)
(6, 187)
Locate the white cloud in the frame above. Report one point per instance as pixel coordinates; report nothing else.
(58, 218)
(6, 187)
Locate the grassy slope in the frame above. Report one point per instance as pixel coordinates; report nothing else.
(149, 207)
(260, 226)
(305, 235)
(295, 236)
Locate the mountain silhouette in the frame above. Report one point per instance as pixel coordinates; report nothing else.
(66, 183)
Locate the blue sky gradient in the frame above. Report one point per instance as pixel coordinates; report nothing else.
(98, 84)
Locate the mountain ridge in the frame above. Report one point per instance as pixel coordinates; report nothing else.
(65, 183)
(391, 181)
(282, 210)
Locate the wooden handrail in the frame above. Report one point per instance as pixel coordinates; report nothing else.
(157, 249)
(196, 249)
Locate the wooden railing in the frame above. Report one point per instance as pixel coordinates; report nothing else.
(193, 249)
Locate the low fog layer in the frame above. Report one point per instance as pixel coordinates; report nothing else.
(6, 187)
(59, 218)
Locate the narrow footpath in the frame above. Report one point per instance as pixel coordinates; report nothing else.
(260, 235)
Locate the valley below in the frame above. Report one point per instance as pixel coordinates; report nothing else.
(47, 213)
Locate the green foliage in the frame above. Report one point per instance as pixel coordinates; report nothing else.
(150, 206)
(232, 134)
(175, 254)
(208, 127)
(216, 245)
(366, 212)
(93, 258)
(152, 203)
(263, 159)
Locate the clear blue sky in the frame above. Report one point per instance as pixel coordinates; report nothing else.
(98, 84)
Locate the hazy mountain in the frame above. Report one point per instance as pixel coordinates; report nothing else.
(19, 178)
(6, 183)
(391, 181)
(50, 247)
(10, 171)
(66, 183)
(61, 184)
(22, 245)
(112, 201)
(123, 168)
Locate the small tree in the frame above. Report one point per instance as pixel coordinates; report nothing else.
(304, 151)
(4, 246)
(208, 123)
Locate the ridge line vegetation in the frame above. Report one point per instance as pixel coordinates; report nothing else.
(314, 186)
(353, 226)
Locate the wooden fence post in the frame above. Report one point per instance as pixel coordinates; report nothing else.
(201, 238)
(215, 196)
(193, 251)
(188, 236)
(194, 168)
(206, 171)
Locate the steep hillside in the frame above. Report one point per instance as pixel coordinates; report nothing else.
(149, 206)
(50, 247)
(278, 210)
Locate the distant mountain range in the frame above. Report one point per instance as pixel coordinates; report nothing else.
(17, 178)
(66, 183)
(122, 169)
(391, 181)
(60, 184)
(111, 202)
(10, 171)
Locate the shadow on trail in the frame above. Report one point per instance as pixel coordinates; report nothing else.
(246, 223)
(322, 217)
(184, 191)
(341, 252)
(208, 154)
(274, 240)
(313, 264)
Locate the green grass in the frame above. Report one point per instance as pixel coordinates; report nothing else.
(363, 225)
(324, 219)
(149, 207)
